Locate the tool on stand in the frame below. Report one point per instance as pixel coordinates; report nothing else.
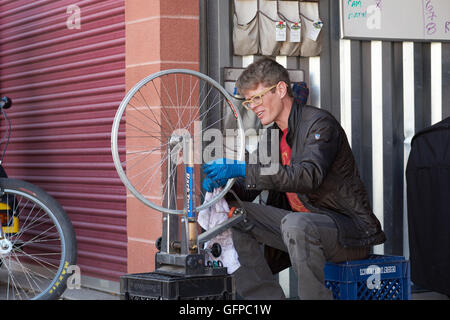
(185, 256)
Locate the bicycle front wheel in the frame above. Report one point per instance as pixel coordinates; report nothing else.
(165, 118)
(38, 243)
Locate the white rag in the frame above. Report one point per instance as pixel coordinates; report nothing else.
(209, 218)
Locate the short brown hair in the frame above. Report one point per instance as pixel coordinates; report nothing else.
(265, 71)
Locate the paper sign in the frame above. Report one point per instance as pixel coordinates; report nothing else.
(295, 35)
(315, 29)
(280, 29)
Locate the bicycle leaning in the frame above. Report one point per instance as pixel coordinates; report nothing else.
(37, 239)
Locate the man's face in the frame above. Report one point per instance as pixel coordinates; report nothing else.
(265, 103)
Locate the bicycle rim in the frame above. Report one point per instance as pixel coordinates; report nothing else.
(155, 113)
(32, 265)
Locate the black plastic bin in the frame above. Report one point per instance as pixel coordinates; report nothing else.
(157, 286)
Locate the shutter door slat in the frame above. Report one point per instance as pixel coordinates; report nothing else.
(66, 85)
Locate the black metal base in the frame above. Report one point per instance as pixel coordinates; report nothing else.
(158, 286)
(186, 265)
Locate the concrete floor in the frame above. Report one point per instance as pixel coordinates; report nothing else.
(430, 295)
(88, 294)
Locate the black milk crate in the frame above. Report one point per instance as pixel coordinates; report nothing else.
(159, 286)
(379, 277)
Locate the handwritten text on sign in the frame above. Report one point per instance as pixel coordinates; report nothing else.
(396, 19)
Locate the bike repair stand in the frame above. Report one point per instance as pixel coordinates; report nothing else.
(180, 265)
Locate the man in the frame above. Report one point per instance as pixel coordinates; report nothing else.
(317, 209)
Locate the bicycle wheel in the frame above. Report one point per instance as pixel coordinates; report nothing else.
(155, 120)
(38, 243)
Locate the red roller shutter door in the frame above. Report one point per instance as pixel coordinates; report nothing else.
(64, 68)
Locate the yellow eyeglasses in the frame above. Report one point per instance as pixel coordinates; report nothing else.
(256, 100)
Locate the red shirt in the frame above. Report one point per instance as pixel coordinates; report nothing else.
(294, 201)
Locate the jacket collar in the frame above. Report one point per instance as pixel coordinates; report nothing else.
(294, 120)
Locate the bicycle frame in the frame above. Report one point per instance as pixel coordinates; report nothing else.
(5, 103)
(9, 226)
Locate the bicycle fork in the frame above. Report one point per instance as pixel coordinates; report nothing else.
(5, 244)
(188, 244)
(9, 225)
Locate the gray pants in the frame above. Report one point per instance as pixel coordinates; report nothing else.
(311, 239)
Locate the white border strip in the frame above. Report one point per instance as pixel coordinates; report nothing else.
(314, 81)
(377, 134)
(408, 128)
(345, 64)
(282, 60)
(246, 60)
(436, 82)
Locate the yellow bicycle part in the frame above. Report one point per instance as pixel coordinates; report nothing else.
(14, 228)
(11, 228)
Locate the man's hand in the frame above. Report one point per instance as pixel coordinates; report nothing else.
(209, 185)
(224, 168)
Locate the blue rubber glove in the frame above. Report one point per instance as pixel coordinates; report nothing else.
(209, 185)
(224, 168)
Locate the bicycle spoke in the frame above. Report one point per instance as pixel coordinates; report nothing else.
(161, 105)
(28, 275)
(12, 283)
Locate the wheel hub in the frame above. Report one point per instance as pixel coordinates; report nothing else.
(5, 246)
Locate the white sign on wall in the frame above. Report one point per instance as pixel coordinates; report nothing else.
(420, 20)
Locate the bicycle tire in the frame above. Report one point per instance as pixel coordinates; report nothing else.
(145, 95)
(37, 264)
